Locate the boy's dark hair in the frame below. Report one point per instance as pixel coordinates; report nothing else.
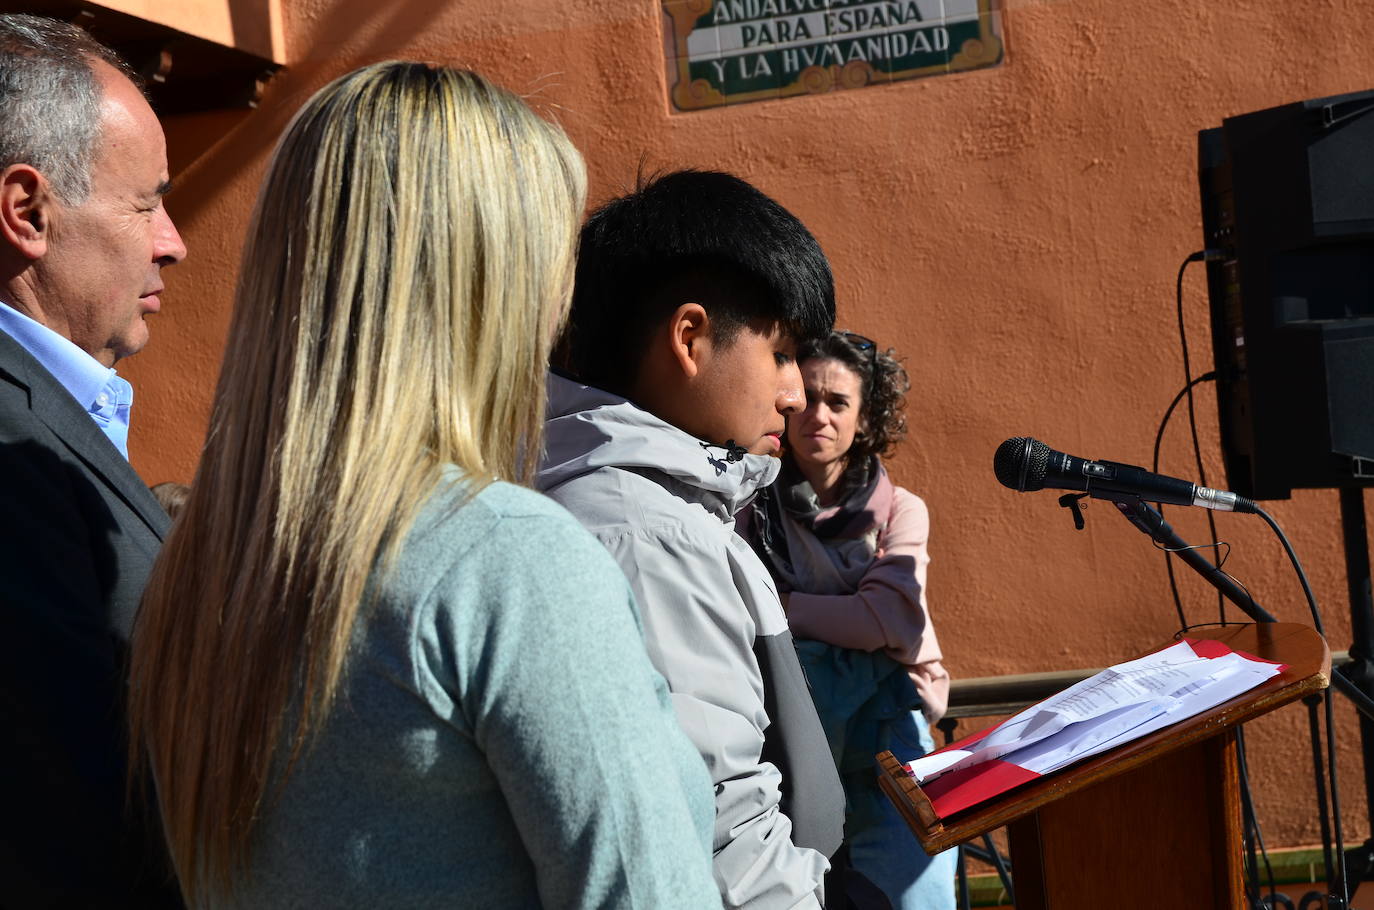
(689, 233)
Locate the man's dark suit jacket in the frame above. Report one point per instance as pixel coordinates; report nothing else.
(78, 537)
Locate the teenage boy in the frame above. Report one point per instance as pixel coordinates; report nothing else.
(690, 297)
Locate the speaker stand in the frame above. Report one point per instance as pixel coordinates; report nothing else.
(1360, 670)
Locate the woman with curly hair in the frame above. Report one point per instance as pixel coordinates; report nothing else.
(848, 550)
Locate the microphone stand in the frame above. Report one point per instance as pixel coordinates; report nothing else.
(1153, 525)
(1360, 671)
(1149, 522)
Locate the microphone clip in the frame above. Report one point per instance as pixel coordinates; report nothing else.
(733, 453)
(1071, 501)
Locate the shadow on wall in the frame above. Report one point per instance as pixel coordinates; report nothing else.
(250, 22)
(206, 151)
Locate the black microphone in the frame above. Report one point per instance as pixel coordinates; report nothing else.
(1026, 464)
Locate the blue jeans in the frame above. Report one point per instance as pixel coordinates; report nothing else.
(883, 847)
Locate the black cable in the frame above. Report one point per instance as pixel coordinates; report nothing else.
(1217, 557)
(1339, 852)
(1340, 878)
(1343, 886)
(1154, 466)
(1248, 844)
(1198, 256)
(1297, 567)
(1252, 821)
(1323, 813)
(1169, 413)
(1248, 811)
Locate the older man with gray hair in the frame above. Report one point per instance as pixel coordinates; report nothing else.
(83, 240)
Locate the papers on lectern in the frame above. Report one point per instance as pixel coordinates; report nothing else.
(1122, 703)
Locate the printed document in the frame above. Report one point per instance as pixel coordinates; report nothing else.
(1122, 703)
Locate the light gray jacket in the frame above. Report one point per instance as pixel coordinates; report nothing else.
(663, 504)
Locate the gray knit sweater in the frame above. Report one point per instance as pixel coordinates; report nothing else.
(500, 738)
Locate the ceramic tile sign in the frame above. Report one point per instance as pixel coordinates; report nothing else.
(732, 51)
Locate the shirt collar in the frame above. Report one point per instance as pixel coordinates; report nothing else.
(78, 372)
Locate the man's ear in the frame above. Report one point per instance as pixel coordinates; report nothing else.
(689, 338)
(26, 206)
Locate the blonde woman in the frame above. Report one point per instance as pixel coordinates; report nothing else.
(370, 671)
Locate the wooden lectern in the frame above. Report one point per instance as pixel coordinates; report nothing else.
(1155, 822)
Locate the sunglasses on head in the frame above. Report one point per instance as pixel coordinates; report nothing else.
(869, 349)
(861, 343)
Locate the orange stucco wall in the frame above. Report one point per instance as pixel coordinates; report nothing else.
(1014, 232)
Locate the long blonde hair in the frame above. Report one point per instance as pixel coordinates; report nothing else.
(409, 261)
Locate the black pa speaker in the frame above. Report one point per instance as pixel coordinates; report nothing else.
(1288, 219)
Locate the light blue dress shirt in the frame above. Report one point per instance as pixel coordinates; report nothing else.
(96, 387)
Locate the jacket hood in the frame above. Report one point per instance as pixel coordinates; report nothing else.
(587, 428)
